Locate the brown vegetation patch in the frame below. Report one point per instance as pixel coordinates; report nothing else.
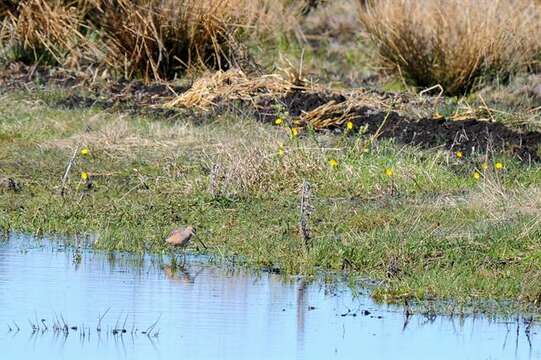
(132, 96)
(149, 39)
(380, 115)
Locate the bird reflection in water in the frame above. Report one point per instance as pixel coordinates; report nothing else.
(180, 274)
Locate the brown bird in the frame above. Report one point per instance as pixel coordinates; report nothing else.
(179, 237)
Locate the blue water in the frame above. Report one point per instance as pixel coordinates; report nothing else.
(212, 312)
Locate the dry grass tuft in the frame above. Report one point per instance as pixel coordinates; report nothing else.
(152, 39)
(157, 38)
(455, 43)
(6, 7)
(45, 31)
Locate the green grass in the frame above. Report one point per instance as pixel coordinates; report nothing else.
(430, 231)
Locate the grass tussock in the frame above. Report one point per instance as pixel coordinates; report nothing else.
(157, 38)
(147, 38)
(455, 43)
(42, 31)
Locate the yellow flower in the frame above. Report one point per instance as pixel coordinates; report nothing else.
(84, 176)
(349, 125)
(294, 132)
(281, 151)
(459, 154)
(476, 175)
(278, 121)
(498, 166)
(333, 163)
(389, 172)
(484, 166)
(85, 152)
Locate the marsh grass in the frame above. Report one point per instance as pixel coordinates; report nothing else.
(428, 231)
(456, 44)
(415, 220)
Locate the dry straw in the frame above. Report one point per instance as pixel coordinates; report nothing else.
(226, 86)
(157, 38)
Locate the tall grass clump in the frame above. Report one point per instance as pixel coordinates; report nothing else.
(454, 43)
(47, 32)
(155, 39)
(152, 39)
(160, 38)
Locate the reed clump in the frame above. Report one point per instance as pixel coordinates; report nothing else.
(454, 43)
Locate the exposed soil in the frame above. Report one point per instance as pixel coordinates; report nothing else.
(295, 103)
(133, 97)
(468, 136)
(127, 104)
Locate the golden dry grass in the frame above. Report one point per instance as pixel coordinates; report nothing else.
(215, 89)
(148, 38)
(43, 30)
(454, 43)
(156, 38)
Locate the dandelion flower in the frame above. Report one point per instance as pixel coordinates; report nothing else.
(278, 121)
(84, 176)
(498, 166)
(389, 172)
(349, 125)
(333, 163)
(476, 175)
(459, 154)
(484, 166)
(85, 152)
(294, 132)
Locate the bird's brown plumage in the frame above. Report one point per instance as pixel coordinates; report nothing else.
(180, 237)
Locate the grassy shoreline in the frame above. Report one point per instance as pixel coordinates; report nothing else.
(431, 230)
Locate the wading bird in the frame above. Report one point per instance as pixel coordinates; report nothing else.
(180, 237)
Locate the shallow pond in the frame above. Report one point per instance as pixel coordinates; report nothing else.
(52, 298)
